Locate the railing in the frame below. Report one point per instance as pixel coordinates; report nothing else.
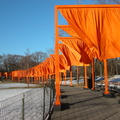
(35, 104)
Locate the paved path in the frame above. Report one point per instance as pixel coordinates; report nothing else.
(81, 104)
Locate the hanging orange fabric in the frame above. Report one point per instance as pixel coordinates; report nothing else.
(69, 30)
(52, 65)
(48, 61)
(97, 27)
(76, 43)
(80, 47)
(72, 57)
(62, 62)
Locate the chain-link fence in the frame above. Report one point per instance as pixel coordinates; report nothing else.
(34, 104)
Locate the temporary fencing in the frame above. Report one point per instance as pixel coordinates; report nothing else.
(35, 104)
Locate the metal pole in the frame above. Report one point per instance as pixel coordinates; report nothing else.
(50, 93)
(23, 103)
(44, 102)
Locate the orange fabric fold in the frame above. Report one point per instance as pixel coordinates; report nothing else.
(80, 47)
(97, 27)
(62, 62)
(72, 57)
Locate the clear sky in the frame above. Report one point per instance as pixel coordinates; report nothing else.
(28, 24)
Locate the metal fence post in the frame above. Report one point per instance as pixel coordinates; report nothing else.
(50, 94)
(53, 85)
(44, 102)
(23, 103)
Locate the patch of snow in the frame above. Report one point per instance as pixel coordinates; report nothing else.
(7, 93)
(99, 79)
(73, 81)
(8, 85)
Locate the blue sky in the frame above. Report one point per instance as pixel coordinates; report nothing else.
(28, 24)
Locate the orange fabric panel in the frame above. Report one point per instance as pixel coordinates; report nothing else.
(80, 47)
(77, 43)
(73, 58)
(52, 65)
(44, 67)
(97, 27)
(47, 67)
(62, 62)
(69, 30)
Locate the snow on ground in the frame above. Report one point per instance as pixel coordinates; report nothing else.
(8, 85)
(99, 79)
(73, 81)
(113, 81)
(115, 78)
(7, 93)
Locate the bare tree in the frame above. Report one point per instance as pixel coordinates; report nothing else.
(107, 1)
(38, 57)
(100, 1)
(11, 62)
(50, 51)
(26, 62)
(27, 58)
(78, 1)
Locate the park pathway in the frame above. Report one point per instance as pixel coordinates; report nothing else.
(82, 104)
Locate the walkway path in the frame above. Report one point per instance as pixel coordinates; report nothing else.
(81, 104)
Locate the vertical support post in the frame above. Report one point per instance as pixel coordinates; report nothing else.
(27, 79)
(71, 76)
(85, 77)
(50, 77)
(57, 78)
(78, 75)
(105, 76)
(60, 78)
(65, 78)
(12, 78)
(93, 75)
(46, 79)
(23, 104)
(42, 79)
(50, 93)
(44, 101)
